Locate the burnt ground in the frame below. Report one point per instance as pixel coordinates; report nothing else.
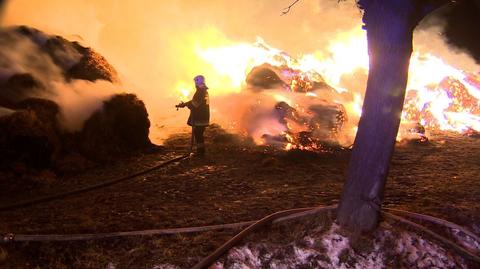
(236, 182)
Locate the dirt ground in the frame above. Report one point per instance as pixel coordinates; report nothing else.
(236, 182)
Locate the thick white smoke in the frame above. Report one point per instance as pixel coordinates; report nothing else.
(77, 99)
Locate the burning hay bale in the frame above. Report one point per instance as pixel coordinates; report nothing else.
(443, 100)
(464, 100)
(454, 108)
(314, 129)
(263, 77)
(285, 112)
(267, 76)
(301, 118)
(330, 117)
(472, 133)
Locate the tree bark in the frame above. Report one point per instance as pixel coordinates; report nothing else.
(389, 26)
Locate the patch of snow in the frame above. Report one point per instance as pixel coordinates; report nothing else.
(466, 241)
(332, 250)
(309, 241)
(307, 255)
(420, 253)
(334, 244)
(249, 257)
(476, 228)
(303, 255)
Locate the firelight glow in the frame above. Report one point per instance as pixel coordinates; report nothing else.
(439, 96)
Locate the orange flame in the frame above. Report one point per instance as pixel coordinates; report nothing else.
(439, 96)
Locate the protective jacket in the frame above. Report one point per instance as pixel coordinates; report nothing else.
(199, 108)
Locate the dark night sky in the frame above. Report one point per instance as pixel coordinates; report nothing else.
(461, 21)
(462, 28)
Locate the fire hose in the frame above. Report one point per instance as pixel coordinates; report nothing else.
(90, 188)
(10, 238)
(275, 217)
(462, 251)
(434, 220)
(253, 226)
(283, 215)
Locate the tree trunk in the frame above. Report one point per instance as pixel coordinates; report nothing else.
(390, 26)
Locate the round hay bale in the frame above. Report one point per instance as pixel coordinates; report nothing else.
(92, 66)
(17, 88)
(263, 77)
(24, 138)
(122, 126)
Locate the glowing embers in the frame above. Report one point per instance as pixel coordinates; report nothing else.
(446, 106)
(314, 128)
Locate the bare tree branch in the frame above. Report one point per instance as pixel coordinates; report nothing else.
(287, 9)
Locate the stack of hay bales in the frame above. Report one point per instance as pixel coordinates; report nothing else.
(31, 133)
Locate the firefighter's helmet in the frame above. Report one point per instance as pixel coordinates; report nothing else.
(199, 80)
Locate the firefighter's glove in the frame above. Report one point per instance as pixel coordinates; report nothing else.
(181, 105)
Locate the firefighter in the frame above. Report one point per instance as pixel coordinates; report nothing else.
(199, 117)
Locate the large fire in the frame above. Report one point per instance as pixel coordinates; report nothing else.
(439, 96)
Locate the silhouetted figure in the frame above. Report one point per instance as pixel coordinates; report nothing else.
(199, 117)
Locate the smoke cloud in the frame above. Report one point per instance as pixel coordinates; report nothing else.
(77, 99)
